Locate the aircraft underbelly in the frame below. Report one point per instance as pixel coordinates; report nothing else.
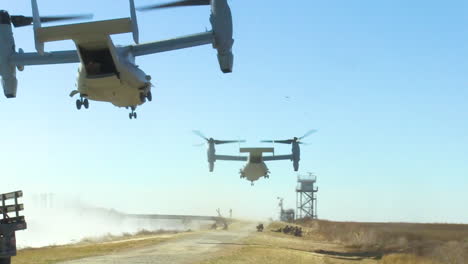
(254, 171)
(110, 89)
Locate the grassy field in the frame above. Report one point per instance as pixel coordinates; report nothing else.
(346, 242)
(91, 247)
(278, 248)
(323, 242)
(442, 243)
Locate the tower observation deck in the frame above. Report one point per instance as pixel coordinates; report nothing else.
(306, 197)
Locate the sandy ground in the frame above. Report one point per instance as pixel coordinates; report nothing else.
(189, 249)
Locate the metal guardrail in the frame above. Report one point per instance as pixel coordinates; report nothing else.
(11, 208)
(10, 224)
(12, 195)
(15, 208)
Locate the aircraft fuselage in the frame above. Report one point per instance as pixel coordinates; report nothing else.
(253, 171)
(109, 74)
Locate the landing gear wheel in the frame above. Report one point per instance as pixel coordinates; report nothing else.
(132, 114)
(142, 98)
(78, 104)
(149, 96)
(86, 103)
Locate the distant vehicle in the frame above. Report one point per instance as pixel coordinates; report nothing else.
(255, 167)
(9, 225)
(107, 73)
(260, 227)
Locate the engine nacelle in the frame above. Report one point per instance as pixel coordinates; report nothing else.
(296, 155)
(211, 155)
(7, 48)
(221, 21)
(10, 85)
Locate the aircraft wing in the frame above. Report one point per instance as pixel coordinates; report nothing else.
(234, 158)
(279, 157)
(172, 44)
(34, 58)
(71, 56)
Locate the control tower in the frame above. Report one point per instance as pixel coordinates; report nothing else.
(306, 197)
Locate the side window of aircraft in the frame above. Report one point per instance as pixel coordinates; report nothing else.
(98, 61)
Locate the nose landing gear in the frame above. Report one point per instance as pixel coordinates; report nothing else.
(82, 102)
(132, 114)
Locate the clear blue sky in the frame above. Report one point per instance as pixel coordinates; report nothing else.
(384, 82)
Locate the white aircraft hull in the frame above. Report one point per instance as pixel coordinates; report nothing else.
(114, 78)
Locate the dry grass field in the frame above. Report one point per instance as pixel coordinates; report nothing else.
(323, 242)
(92, 247)
(442, 243)
(329, 242)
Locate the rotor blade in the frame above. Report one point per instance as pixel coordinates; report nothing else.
(217, 142)
(200, 134)
(288, 141)
(46, 19)
(199, 145)
(175, 4)
(21, 21)
(310, 132)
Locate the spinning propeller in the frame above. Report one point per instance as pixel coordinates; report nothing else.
(22, 21)
(175, 4)
(215, 141)
(211, 147)
(293, 140)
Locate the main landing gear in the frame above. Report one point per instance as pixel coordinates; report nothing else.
(82, 102)
(148, 96)
(133, 114)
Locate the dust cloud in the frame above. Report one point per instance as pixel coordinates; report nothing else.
(57, 221)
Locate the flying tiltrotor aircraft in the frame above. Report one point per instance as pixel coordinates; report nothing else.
(255, 167)
(107, 73)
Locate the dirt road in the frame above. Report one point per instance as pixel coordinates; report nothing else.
(192, 248)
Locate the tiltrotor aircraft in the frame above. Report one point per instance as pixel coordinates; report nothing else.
(255, 167)
(107, 73)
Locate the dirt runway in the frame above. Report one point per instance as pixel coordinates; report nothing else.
(189, 249)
